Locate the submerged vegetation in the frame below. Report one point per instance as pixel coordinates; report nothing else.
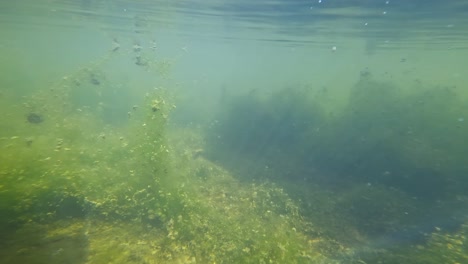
(78, 188)
(100, 166)
(286, 177)
(298, 184)
(391, 160)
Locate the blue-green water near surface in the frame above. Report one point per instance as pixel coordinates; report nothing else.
(233, 131)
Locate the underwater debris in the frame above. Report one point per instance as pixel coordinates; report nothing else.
(140, 62)
(59, 144)
(153, 45)
(115, 45)
(93, 79)
(365, 74)
(137, 47)
(29, 141)
(155, 105)
(34, 118)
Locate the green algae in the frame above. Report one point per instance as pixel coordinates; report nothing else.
(378, 174)
(279, 178)
(78, 189)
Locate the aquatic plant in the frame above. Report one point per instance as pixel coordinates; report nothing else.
(390, 157)
(125, 194)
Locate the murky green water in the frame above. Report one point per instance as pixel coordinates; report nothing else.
(219, 132)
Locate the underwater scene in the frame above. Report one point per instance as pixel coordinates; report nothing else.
(215, 131)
